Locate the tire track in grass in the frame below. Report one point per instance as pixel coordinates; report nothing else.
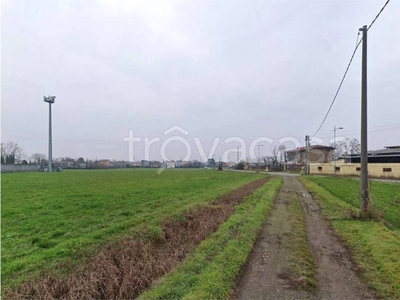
(281, 265)
(336, 275)
(374, 247)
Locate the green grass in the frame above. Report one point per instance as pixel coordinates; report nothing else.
(48, 218)
(299, 255)
(211, 272)
(376, 248)
(385, 196)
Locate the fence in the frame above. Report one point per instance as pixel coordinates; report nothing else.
(19, 168)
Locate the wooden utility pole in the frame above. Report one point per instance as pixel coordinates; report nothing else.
(364, 135)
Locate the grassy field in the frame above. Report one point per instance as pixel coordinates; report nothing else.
(211, 272)
(375, 246)
(48, 218)
(385, 196)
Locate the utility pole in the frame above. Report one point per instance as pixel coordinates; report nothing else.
(50, 100)
(334, 148)
(307, 164)
(258, 159)
(364, 135)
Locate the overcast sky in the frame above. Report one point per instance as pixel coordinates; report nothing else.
(217, 69)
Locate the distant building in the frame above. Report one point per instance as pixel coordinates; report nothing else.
(104, 163)
(136, 164)
(317, 153)
(390, 154)
(382, 163)
(145, 163)
(229, 164)
(186, 164)
(155, 164)
(295, 158)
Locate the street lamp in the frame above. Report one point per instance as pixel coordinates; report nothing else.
(334, 147)
(50, 100)
(258, 161)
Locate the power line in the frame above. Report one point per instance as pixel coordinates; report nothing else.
(340, 86)
(370, 129)
(377, 16)
(347, 69)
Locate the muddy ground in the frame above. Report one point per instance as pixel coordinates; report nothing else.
(266, 275)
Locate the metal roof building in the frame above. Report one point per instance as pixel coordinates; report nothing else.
(390, 154)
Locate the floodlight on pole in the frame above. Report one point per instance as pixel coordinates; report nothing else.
(334, 147)
(50, 100)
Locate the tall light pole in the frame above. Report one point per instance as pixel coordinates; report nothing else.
(258, 161)
(50, 100)
(334, 147)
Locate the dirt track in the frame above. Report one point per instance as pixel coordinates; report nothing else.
(265, 278)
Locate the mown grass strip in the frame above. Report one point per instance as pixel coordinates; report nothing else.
(375, 247)
(211, 272)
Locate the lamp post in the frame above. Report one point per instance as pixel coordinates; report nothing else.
(334, 147)
(50, 100)
(258, 161)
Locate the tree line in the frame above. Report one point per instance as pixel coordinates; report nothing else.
(12, 153)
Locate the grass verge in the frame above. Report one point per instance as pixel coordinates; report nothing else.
(211, 272)
(375, 247)
(385, 196)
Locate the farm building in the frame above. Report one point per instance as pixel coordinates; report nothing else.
(295, 158)
(390, 154)
(383, 163)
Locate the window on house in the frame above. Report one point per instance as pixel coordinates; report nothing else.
(319, 168)
(337, 168)
(387, 169)
(358, 169)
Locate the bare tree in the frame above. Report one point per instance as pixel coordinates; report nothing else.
(346, 147)
(275, 154)
(38, 158)
(11, 153)
(355, 146)
(282, 149)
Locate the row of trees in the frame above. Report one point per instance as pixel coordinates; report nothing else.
(12, 153)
